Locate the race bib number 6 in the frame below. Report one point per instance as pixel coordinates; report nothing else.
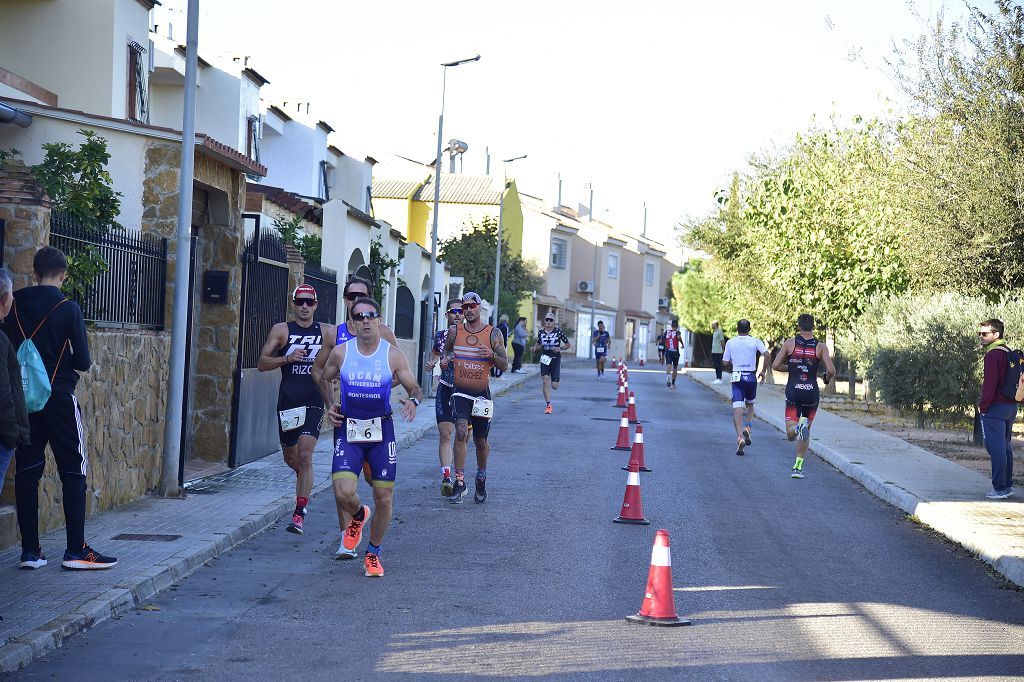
(364, 430)
(483, 408)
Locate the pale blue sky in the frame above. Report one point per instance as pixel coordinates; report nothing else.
(652, 101)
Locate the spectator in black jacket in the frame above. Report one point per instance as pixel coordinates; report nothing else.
(13, 417)
(55, 325)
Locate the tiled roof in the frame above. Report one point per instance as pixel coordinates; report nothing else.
(289, 201)
(461, 189)
(231, 154)
(393, 189)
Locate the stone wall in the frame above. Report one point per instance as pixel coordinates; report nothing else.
(122, 398)
(25, 211)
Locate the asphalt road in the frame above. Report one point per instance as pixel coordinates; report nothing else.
(784, 579)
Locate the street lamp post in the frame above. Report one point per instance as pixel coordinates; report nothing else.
(437, 191)
(501, 211)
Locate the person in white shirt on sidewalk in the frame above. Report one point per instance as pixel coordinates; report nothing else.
(741, 356)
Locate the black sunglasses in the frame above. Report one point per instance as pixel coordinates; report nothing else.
(356, 295)
(455, 311)
(369, 315)
(311, 302)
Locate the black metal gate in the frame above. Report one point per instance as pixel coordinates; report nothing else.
(264, 302)
(325, 281)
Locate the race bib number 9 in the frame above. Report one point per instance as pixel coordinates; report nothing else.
(292, 419)
(736, 376)
(545, 359)
(364, 430)
(483, 408)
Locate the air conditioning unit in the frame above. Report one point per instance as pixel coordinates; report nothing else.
(585, 286)
(663, 302)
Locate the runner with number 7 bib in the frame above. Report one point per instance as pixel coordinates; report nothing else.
(364, 429)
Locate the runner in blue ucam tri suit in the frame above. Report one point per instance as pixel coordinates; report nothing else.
(365, 430)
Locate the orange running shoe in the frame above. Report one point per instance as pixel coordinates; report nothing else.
(548, 410)
(353, 535)
(374, 569)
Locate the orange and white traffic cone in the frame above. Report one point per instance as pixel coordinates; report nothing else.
(632, 508)
(622, 443)
(631, 410)
(622, 402)
(637, 453)
(659, 605)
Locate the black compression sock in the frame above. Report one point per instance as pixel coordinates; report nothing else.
(361, 514)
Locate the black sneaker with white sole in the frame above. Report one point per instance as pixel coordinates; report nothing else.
(32, 560)
(480, 495)
(87, 559)
(458, 491)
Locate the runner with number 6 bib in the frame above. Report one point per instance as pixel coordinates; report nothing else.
(365, 432)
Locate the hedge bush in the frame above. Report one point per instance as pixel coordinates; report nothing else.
(921, 351)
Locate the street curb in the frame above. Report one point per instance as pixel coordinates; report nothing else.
(951, 526)
(22, 649)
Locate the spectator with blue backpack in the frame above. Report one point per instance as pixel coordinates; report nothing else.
(49, 332)
(1001, 390)
(13, 416)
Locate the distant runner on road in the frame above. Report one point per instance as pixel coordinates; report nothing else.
(673, 341)
(601, 340)
(292, 347)
(551, 341)
(800, 355)
(365, 430)
(741, 355)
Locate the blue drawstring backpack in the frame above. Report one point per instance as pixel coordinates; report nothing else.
(36, 385)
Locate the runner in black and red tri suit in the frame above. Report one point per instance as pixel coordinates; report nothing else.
(801, 355)
(292, 347)
(673, 347)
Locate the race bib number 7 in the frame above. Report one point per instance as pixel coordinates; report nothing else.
(292, 419)
(364, 430)
(483, 408)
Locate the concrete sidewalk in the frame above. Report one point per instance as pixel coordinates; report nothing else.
(158, 542)
(942, 494)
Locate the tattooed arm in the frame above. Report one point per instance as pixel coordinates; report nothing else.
(500, 356)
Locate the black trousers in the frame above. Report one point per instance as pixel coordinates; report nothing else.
(517, 360)
(58, 424)
(717, 359)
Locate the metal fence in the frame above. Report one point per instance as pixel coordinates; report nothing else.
(325, 281)
(264, 292)
(131, 293)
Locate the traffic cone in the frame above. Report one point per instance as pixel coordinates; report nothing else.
(632, 508)
(659, 605)
(623, 441)
(637, 453)
(622, 397)
(631, 411)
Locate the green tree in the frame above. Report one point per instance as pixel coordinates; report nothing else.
(959, 167)
(381, 264)
(698, 300)
(78, 185)
(472, 255)
(309, 245)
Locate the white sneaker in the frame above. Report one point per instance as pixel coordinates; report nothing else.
(717, 381)
(996, 495)
(344, 554)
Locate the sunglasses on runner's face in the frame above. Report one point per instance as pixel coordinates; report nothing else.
(368, 315)
(470, 306)
(356, 295)
(455, 311)
(985, 333)
(304, 301)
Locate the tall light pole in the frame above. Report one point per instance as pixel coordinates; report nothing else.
(593, 295)
(437, 192)
(501, 211)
